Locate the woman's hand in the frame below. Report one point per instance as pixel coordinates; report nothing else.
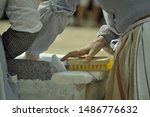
(89, 51)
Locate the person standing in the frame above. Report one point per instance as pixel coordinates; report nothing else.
(127, 33)
(25, 25)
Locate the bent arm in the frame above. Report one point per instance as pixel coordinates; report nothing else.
(108, 31)
(54, 17)
(25, 24)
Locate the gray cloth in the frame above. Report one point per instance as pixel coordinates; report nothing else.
(8, 88)
(142, 64)
(2, 6)
(120, 14)
(108, 33)
(125, 12)
(54, 17)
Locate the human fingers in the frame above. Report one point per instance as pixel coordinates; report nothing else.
(92, 53)
(96, 47)
(71, 54)
(76, 53)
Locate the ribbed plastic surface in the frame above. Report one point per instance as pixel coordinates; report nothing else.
(96, 64)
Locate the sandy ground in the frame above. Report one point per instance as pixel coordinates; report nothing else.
(71, 39)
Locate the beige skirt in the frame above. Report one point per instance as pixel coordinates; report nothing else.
(130, 75)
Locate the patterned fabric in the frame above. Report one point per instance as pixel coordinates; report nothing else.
(30, 69)
(129, 77)
(15, 42)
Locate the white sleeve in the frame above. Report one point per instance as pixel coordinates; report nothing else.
(54, 17)
(108, 31)
(23, 16)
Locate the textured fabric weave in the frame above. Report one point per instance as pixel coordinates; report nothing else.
(15, 42)
(129, 77)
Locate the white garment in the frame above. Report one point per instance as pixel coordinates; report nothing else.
(142, 64)
(22, 14)
(54, 17)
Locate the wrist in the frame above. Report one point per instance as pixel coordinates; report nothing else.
(101, 41)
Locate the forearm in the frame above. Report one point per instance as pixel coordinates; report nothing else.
(98, 41)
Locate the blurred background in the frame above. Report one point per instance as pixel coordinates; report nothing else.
(82, 28)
